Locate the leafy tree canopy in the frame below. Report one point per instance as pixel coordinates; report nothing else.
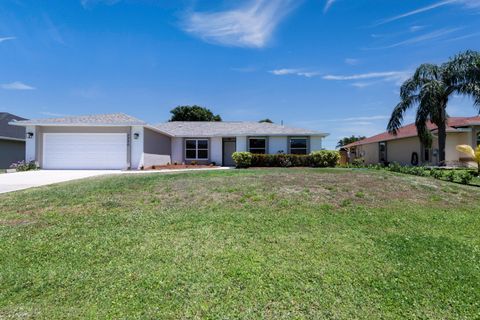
(193, 113)
(348, 140)
(266, 120)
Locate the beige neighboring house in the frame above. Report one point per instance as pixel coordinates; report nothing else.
(405, 147)
(120, 141)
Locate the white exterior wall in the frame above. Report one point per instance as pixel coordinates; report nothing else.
(315, 143)
(136, 147)
(177, 150)
(241, 144)
(452, 156)
(277, 144)
(30, 144)
(216, 150)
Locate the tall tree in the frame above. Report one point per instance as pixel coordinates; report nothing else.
(430, 89)
(267, 120)
(193, 113)
(348, 140)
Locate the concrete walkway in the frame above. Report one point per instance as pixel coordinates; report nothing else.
(24, 180)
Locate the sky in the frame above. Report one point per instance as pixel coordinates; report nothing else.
(330, 65)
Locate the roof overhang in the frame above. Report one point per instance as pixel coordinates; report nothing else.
(322, 135)
(84, 125)
(11, 139)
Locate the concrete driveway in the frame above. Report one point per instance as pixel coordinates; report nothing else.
(29, 179)
(24, 180)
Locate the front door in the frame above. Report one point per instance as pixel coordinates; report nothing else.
(229, 147)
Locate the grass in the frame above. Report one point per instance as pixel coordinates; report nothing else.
(277, 243)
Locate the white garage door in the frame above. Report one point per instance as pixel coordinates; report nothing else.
(85, 151)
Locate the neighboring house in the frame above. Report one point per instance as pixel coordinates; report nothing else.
(12, 140)
(119, 141)
(405, 148)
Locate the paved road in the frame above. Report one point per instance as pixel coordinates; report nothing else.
(29, 179)
(24, 180)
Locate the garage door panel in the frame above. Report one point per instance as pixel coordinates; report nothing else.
(85, 151)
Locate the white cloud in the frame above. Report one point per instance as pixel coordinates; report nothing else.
(250, 25)
(416, 28)
(17, 85)
(328, 5)
(390, 76)
(2, 39)
(90, 3)
(297, 72)
(469, 4)
(422, 38)
(352, 61)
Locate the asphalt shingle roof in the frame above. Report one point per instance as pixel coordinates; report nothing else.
(178, 128)
(229, 128)
(113, 119)
(410, 130)
(10, 131)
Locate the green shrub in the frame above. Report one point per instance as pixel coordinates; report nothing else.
(451, 175)
(280, 160)
(437, 174)
(242, 159)
(358, 162)
(324, 158)
(24, 166)
(465, 177)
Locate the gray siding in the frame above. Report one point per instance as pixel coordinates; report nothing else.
(156, 143)
(10, 152)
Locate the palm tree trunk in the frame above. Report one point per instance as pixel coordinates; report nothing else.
(442, 138)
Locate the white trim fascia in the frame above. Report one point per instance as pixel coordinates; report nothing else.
(11, 139)
(323, 135)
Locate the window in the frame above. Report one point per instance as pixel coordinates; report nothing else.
(298, 146)
(257, 145)
(196, 149)
(478, 139)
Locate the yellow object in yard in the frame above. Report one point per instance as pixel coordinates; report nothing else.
(468, 150)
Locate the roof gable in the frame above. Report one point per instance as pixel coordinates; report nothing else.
(410, 130)
(10, 131)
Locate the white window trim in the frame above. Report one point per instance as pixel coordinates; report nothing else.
(298, 138)
(197, 149)
(257, 138)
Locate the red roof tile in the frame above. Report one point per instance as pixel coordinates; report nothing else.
(411, 131)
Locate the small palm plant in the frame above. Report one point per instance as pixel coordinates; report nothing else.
(475, 154)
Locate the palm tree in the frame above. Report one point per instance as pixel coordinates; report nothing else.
(430, 88)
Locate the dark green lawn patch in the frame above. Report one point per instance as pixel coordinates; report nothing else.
(260, 243)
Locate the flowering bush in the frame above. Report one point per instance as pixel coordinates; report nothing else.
(24, 166)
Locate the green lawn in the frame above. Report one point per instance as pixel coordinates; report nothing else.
(277, 243)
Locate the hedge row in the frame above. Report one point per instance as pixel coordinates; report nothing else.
(322, 158)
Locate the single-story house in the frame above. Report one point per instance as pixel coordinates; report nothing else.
(12, 140)
(120, 141)
(405, 148)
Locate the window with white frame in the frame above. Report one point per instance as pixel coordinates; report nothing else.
(257, 145)
(478, 139)
(298, 146)
(196, 149)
